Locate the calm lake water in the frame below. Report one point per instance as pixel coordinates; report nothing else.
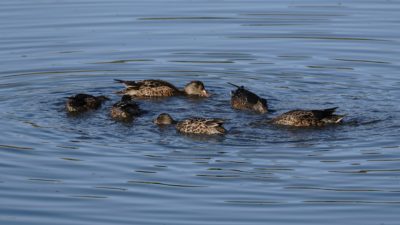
(57, 169)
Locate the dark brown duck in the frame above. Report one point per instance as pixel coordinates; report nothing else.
(126, 109)
(243, 99)
(84, 102)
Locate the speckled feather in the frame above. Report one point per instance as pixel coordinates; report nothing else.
(201, 126)
(149, 88)
(308, 118)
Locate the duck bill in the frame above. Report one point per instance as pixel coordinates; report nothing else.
(204, 93)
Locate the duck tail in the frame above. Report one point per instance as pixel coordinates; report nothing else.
(330, 110)
(221, 130)
(323, 113)
(119, 81)
(235, 85)
(215, 122)
(127, 83)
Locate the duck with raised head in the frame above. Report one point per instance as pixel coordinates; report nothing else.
(83, 102)
(126, 109)
(207, 126)
(243, 99)
(308, 118)
(160, 88)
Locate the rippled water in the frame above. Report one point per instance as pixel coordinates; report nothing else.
(57, 169)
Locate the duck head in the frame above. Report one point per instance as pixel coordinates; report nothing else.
(164, 119)
(196, 88)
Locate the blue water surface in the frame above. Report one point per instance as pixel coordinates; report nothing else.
(58, 169)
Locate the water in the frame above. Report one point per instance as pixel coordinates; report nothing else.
(57, 169)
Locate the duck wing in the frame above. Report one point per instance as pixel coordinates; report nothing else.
(214, 122)
(156, 83)
(145, 84)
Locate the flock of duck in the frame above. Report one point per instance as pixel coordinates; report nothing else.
(241, 99)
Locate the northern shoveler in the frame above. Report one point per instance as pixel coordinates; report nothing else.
(126, 109)
(244, 99)
(308, 118)
(84, 102)
(208, 126)
(160, 88)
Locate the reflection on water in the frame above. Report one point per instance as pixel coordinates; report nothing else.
(90, 169)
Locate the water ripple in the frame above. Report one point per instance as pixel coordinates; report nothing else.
(89, 169)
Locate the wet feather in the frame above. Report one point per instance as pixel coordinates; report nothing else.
(126, 109)
(207, 126)
(308, 118)
(84, 102)
(243, 99)
(160, 88)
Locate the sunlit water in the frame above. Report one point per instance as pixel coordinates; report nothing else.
(57, 169)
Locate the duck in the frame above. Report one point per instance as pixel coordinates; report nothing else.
(243, 99)
(196, 125)
(126, 109)
(160, 88)
(84, 102)
(164, 119)
(308, 118)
